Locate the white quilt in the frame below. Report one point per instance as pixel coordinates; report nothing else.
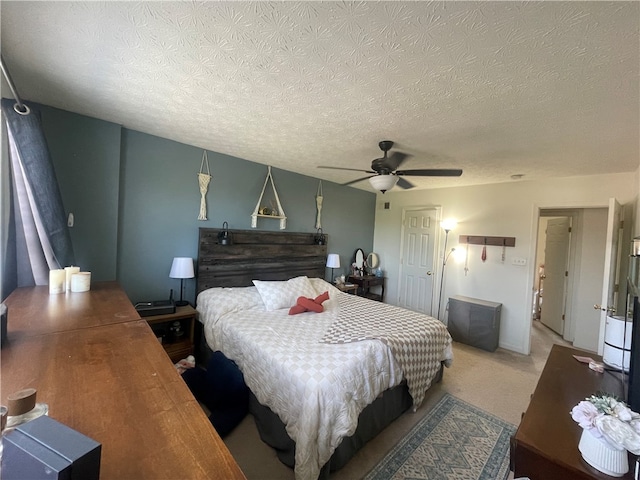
(317, 389)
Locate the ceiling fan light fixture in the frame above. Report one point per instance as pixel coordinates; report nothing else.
(383, 182)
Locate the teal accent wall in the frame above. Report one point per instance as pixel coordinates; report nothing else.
(86, 157)
(136, 201)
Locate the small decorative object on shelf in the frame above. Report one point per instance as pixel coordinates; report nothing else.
(610, 428)
(275, 212)
(176, 331)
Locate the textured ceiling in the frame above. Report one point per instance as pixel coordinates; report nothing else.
(495, 88)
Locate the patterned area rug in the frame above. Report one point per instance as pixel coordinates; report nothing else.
(455, 441)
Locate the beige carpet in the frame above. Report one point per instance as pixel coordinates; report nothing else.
(499, 382)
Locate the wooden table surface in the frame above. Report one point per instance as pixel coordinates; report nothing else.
(114, 383)
(32, 311)
(547, 438)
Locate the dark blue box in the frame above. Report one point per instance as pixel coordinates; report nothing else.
(46, 449)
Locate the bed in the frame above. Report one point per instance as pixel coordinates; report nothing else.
(313, 376)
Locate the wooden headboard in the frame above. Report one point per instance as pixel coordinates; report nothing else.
(257, 255)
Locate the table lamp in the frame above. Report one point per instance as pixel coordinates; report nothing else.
(333, 261)
(182, 267)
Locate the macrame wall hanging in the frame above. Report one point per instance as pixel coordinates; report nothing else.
(203, 183)
(319, 205)
(275, 213)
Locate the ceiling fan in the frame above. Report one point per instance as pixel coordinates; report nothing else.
(386, 174)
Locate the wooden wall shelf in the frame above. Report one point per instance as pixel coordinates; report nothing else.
(491, 241)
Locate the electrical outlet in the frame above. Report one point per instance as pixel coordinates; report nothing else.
(519, 261)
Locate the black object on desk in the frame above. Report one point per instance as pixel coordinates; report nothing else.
(156, 307)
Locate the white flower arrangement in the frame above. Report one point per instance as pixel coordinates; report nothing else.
(606, 417)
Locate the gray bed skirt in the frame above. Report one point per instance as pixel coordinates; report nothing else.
(373, 419)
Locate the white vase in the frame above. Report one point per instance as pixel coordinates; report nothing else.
(602, 456)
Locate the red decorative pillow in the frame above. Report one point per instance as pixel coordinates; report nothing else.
(304, 304)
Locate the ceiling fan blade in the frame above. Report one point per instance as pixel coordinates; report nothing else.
(357, 180)
(403, 183)
(438, 172)
(396, 159)
(350, 169)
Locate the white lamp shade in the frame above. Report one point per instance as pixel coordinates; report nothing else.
(182, 267)
(383, 182)
(448, 224)
(333, 260)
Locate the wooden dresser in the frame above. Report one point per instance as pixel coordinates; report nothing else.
(545, 446)
(103, 373)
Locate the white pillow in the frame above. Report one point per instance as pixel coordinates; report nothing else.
(216, 302)
(322, 286)
(277, 295)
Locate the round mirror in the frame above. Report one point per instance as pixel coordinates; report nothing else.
(372, 260)
(359, 259)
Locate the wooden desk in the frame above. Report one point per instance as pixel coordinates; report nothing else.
(545, 446)
(32, 311)
(114, 383)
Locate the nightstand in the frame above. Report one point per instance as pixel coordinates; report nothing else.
(352, 289)
(365, 282)
(175, 331)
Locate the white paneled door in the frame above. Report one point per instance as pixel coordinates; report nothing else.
(417, 274)
(609, 291)
(556, 264)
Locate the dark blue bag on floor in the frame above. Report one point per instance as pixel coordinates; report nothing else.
(222, 389)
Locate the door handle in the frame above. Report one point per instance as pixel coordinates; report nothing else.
(429, 272)
(608, 309)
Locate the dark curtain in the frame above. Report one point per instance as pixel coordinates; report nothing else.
(38, 236)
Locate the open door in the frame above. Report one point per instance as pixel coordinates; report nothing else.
(609, 299)
(556, 253)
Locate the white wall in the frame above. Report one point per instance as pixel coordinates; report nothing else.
(506, 209)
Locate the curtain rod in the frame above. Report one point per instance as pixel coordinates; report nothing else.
(21, 107)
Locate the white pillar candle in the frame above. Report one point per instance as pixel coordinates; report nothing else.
(56, 281)
(81, 282)
(68, 272)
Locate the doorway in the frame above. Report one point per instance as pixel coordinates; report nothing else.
(570, 255)
(553, 267)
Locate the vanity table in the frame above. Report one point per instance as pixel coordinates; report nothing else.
(352, 289)
(365, 282)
